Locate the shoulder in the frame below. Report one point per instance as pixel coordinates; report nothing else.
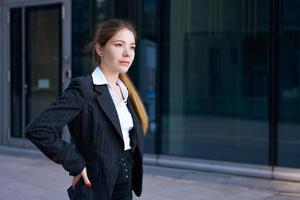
(80, 80)
(83, 84)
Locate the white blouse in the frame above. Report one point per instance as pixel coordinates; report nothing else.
(124, 115)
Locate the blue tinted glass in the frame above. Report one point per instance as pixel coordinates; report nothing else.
(289, 83)
(216, 81)
(86, 15)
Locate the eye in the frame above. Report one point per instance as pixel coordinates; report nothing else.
(118, 44)
(132, 47)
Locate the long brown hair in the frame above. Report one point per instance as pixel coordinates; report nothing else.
(104, 33)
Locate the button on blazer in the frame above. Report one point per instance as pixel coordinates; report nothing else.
(92, 119)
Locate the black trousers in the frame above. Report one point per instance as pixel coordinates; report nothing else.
(123, 186)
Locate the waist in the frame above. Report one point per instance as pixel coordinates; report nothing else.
(127, 154)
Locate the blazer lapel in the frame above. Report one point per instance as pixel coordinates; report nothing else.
(106, 103)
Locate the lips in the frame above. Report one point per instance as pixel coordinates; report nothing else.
(124, 62)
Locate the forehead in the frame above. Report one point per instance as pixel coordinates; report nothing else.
(124, 35)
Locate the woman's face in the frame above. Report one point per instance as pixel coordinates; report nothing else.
(118, 52)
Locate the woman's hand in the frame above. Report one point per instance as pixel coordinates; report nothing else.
(85, 178)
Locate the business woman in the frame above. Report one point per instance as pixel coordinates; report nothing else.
(106, 119)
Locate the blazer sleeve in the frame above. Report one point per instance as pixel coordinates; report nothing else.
(43, 131)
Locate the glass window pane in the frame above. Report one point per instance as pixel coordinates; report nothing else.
(43, 57)
(289, 85)
(16, 71)
(86, 15)
(216, 82)
(147, 64)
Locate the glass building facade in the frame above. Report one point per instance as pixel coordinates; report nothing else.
(220, 78)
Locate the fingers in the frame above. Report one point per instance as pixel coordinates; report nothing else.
(85, 178)
(75, 180)
(82, 175)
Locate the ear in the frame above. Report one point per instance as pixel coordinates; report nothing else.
(98, 48)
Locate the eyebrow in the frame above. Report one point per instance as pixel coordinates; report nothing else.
(123, 41)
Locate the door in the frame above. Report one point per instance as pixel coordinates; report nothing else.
(38, 64)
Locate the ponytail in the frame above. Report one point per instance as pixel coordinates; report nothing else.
(138, 105)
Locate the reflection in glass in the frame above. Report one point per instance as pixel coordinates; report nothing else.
(43, 57)
(217, 81)
(289, 86)
(86, 16)
(146, 63)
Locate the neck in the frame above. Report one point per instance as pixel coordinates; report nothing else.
(111, 77)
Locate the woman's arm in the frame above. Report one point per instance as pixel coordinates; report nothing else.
(43, 131)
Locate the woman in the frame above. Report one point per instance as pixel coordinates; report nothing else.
(106, 119)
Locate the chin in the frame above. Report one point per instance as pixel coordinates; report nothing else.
(124, 69)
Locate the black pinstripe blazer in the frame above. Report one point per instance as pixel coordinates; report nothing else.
(90, 114)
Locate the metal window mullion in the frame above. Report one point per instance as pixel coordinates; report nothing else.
(273, 82)
(7, 43)
(23, 71)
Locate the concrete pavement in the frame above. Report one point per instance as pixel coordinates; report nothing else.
(25, 177)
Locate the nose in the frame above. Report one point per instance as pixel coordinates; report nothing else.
(126, 52)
